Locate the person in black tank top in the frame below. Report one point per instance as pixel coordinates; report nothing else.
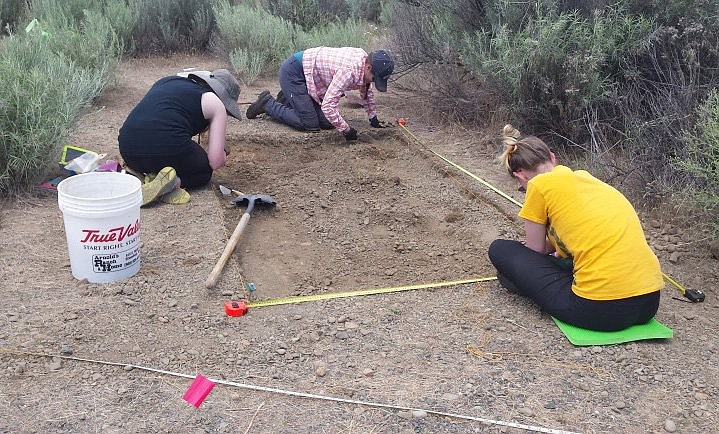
(159, 131)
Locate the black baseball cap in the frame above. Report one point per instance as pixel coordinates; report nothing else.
(382, 67)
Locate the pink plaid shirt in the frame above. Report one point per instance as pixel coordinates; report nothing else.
(329, 73)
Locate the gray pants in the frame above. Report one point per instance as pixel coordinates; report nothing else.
(300, 110)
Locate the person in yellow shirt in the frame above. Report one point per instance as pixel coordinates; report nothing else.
(585, 259)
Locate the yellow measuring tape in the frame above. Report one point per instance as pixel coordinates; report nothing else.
(511, 199)
(332, 295)
(466, 172)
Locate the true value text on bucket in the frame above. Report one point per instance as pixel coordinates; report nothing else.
(112, 235)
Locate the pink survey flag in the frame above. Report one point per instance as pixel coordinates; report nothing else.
(198, 390)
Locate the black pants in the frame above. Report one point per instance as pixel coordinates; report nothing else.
(548, 281)
(191, 164)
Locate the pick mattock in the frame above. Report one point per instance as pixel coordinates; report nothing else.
(250, 200)
(226, 191)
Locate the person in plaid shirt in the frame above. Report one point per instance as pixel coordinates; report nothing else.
(314, 80)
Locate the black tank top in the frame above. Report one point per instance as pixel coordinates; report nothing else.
(166, 118)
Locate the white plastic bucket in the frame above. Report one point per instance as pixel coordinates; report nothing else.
(101, 211)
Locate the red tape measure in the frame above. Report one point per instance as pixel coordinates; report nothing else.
(236, 308)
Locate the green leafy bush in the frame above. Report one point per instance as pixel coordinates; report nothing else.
(613, 82)
(654, 101)
(254, 31)
(702, 153)
(352, 33)
(249, 64)
(41, 96)
(309, 14)
(71, 11)
(257, 29)
(91, 44)
(50, 72)
(145, 27)
(678, 12)
(123, 17)
(557, 65)
(369, 10)
(169, 26)
(257, 42)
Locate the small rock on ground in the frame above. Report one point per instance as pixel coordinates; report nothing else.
(670, 426)
(524, 411)
(417, 414)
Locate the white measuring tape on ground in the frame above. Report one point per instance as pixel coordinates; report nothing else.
(301, 394)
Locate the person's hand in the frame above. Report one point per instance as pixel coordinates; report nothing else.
(375, 123)
(350, 134)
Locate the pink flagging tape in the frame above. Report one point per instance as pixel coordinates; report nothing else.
(198, 390)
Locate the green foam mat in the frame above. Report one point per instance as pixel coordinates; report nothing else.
(583, 337)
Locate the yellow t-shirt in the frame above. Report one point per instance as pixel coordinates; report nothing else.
(593, 224)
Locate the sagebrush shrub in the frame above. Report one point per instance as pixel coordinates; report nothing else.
(49, 74)
(257, 42)
(309, 13)
(91, 43)
(702, 153)
(351, 33)
(369, 10)
(653, 102)
(557, 65)
(168, 26)
(41, 96)
(256, 31)
(248, 64)
(123, 17)
(613, 82)
(71, 11)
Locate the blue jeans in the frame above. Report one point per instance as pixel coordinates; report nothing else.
(548, 282)
(301, 111)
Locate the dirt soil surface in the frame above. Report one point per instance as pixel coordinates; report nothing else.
(382, 212)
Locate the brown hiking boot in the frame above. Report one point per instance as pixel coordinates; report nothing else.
(258, 107)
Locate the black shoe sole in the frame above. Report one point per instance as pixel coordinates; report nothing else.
(258, 107)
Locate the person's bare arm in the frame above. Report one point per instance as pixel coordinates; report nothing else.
(535, 236)
(214, 111)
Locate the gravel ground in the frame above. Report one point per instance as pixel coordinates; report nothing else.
(383, 212)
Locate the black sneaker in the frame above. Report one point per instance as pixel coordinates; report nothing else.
(258, 107)
(281, 98)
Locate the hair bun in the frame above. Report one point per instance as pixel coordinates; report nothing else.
(511, 138)
(510, 131)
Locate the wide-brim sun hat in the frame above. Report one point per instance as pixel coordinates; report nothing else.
(224, 85)
(382, 67)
